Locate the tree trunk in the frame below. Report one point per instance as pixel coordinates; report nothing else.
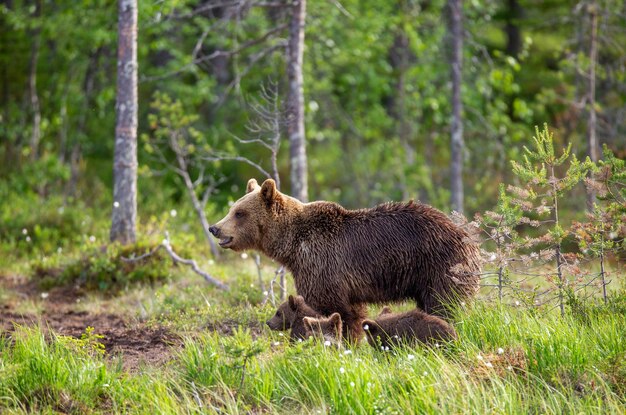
(32, 82)
(123, 226)
(295, 103)
(513, 33)
(455, 8)
(399, 58)
(592, 140)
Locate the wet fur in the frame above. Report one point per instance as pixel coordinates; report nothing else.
(325, 328)
(415, 326)
(343, 259)
(290, 315)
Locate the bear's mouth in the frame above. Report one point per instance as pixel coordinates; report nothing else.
(225, 241)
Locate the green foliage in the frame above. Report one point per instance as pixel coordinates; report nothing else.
(111, 268)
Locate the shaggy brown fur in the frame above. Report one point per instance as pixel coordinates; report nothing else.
(289, 316)
(328, 329)
(412, 327)
(342, 259)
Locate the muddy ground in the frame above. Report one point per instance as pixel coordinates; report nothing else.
(135, 343)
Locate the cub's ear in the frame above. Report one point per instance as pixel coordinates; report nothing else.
(335, 319)
(309, 322)
(252, 185)
(269, 192)
(292, 303)
(386, 310)
(369, 325)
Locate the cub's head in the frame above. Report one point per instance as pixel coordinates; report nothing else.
(251, 216)
(287, 313)
(324, 328)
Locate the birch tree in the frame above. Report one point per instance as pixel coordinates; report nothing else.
(123, 220)
(295, 102)
(592, 140)
(455, 9)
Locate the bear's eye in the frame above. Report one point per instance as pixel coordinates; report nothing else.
(239, 214)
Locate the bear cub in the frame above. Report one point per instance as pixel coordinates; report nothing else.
(290, 314)
(415, 326)
(328, 329)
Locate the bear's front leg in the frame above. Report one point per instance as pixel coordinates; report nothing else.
(353, 317)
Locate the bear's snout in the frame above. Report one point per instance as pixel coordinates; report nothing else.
(215, 231)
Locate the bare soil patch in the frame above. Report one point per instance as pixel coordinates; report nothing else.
(133, 342)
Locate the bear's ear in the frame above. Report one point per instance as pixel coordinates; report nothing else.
(334, 319)
(369, 325)
(269, 192)
(308, 322)
(295, 302)
(252, 185)
(386, 310)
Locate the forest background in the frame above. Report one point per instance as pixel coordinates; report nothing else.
(376, 84)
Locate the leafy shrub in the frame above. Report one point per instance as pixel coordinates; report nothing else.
(107, 268)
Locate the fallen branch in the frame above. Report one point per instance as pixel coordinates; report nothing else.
(177, 259)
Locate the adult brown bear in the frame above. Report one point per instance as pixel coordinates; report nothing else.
(343, 259)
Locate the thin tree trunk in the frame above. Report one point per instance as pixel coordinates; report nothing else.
(455, 8)
(124, 217)
(592, 140)
(32, 82)
(513, 33)
(295, 102)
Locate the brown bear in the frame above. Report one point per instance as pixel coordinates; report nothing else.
(343, 259)
(328, 329)
(415, 326)
(289, 315)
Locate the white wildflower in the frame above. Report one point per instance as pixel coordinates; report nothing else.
(276, 343)
(44, 295)
(425, 373)
(500, 350)
(106, 385)
(211, 262)
(244, 256)
(173, 213)
(299, 340)
(366, 327)
(437, 345)
(386, 348)
(410, 357)
(59, 250)
(517, 303)
(25, 231)
(369, 385)
(613, 235)
(342, 370)
(92, 238)
(352, 384)
(28, 239)
(509, 367)
(281, 335)
(488, 364)
(116, 204)
(479, 357)
(265, 293)
(395, 336)
(327, 343)
(492, 257)
(251, 285)
(347, 351)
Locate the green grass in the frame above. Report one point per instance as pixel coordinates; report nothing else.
(547, 364)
